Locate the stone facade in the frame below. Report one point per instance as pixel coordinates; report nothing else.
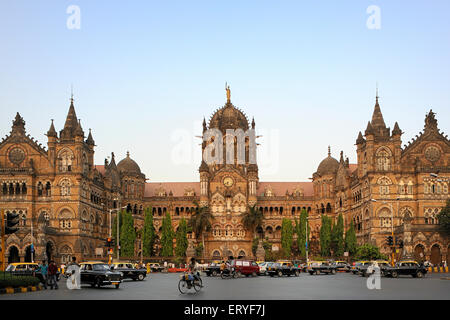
(66, 201)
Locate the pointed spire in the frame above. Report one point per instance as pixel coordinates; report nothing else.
(341, 160)
(253, 123)
(204, 125)
(79, 131)
(396, 130)
(369, 129)
(360, 139)
(377, 116)
(52, 132)
(329, 151)
(71, 123)
(90, 140)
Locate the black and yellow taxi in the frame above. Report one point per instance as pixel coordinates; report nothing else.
(128, 271)
(356, 265)
(99, 274)
(283, 268)
(27, 269)
(408, 268)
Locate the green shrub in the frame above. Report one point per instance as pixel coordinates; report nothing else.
(9, 280)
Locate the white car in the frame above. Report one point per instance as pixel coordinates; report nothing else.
(263, 268)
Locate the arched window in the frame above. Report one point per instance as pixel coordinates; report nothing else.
(384, 183)
(40, 189)
(65, 159)
(383, 159)
(65, 185)
(48, 189)
(85, 164)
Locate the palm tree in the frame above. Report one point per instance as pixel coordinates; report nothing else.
(252, 219)
(200, 221)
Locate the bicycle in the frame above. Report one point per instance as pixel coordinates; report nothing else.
(189, 281)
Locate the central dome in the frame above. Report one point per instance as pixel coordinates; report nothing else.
(128, 166)
(229, 117)
(329, 165)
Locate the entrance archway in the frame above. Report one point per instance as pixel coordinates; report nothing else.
(436, 255)
(419, 253)
(13, 255)
(49, 251)
(28, 257)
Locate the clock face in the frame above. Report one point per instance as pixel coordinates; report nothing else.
(228, 182)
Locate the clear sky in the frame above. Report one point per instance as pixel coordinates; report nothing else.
(145, 73)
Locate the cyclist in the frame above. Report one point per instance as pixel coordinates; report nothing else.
(192, 268)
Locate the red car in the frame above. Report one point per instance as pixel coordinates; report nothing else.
(245, 267)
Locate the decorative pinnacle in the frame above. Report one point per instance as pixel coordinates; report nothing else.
(329, 151)
(128, 154)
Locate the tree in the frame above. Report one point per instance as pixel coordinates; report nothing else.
(182, 241)
(350, 240)
(302, 233)
(287, 232)
(200, 222)
(167, 237)
(252, 219)
(325, 236)
(127, 235)
(255, 243)
(444, 218)
(368, 252)
(148, 234)
(337, 238)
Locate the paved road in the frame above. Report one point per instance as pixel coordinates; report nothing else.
(341, 286)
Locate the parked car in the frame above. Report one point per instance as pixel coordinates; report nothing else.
(318, 267)
(213, 269)
(156, 267)
(263, 268)
(245, 267)
(342, 266)
(284, 268)
(364, 269)
(407, 267)
(128, 271)
(99, 274)
(27, 269)
(355, 266)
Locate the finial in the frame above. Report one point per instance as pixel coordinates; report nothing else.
(376, 97)
(329, 151)
(71, 93)
(128, 154)
(227, 88)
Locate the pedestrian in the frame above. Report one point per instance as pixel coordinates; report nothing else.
(43, 269)
(52, 274)
(165, 266)
(73, 271)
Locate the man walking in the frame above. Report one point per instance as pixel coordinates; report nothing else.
(73, 269)
(52, 273)
(43, 269)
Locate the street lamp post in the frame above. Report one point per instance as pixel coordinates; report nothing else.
(110, 225)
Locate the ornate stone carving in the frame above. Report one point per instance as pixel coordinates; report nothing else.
(432, 153)
(16, 156)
